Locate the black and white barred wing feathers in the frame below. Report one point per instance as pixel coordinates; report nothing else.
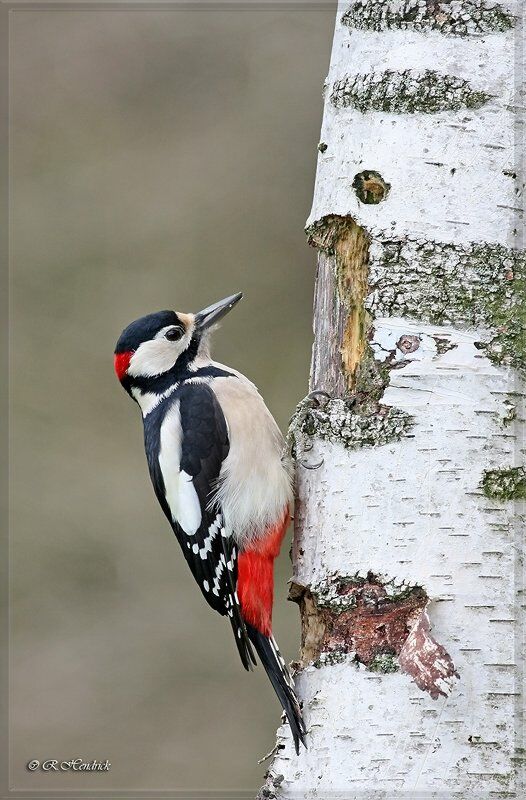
(193, 445)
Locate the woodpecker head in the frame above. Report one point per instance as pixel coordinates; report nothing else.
(155, 350)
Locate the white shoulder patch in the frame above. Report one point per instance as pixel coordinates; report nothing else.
(180, 492)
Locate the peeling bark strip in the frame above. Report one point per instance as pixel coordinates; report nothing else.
(481, 285)
(471, 17)
(428, 663)
(382, 625)
(407, 92)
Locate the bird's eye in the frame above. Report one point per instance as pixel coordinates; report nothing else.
(174, 334)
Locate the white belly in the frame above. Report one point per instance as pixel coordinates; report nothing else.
(255, 484)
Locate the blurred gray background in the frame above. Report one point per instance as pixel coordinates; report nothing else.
(160, 159)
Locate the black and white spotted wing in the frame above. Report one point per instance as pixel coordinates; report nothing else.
(211, 555)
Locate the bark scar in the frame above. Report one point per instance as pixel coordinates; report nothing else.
(385, 627)
(349, 244)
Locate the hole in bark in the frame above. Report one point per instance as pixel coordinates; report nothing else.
(370, 187)
(408, 344)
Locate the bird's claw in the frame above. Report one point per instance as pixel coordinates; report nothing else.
(277, 747)
(300, 441)
(316, 394)
(351, 401)
(311, 466)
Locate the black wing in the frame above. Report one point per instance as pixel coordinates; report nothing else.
(211, 555)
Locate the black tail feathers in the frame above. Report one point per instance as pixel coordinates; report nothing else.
(281, 680)
(244, 647)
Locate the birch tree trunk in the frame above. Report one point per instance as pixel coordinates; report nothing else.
(407, 552)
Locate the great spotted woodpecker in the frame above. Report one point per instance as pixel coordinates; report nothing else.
(217, 464)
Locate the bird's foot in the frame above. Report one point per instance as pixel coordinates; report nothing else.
(302, 427)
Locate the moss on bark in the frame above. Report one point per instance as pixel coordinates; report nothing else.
(385, 663)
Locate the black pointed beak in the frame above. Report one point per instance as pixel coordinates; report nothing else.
(209, 316)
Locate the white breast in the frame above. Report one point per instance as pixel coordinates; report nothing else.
(180, 493)
(255, 483)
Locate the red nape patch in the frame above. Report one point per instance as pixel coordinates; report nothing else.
(255, 576)
(121, 362)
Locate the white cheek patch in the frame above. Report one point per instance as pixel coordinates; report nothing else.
(153, 358)
(179, 488)
(158, 355)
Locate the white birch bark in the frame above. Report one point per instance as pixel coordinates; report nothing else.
(407, 553)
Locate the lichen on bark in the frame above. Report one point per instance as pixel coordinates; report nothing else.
(479, 285)
(471, 17)
(505, 484)
(406, 92)
(347, 423)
